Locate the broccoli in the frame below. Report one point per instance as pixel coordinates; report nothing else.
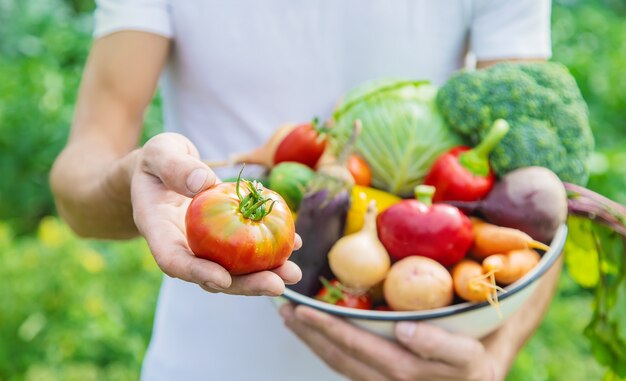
(543, 105)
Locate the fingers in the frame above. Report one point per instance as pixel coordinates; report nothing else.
(172, 255)
(262, 283)
(174, 159)
(267, 283)
(330, 353)
(289, 272)
(171, 252)
(430, 342)
(174, 258)
(385, 356)
(297, 243)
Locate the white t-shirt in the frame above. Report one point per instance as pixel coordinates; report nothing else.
(237, 70)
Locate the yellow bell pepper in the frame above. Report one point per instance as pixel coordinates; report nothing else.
(361, 197)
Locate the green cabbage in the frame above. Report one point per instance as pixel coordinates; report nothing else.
(403, 132)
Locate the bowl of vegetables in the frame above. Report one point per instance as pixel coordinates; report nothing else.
(453, 239)
(475, 319)
(420, 261)
(445, 205)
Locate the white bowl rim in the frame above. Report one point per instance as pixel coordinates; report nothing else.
(546, 262)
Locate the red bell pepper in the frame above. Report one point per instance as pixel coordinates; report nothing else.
(463, 173)
(416, 227)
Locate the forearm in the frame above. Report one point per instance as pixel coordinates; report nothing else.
(91, 187)
(505, 343)
(92, 176)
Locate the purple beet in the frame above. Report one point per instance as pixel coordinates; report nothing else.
(531, 199)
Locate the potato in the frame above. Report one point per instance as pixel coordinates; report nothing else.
(417, 283)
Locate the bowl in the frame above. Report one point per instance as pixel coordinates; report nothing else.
(472, 319)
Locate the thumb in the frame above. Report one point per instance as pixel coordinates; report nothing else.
(176, 162)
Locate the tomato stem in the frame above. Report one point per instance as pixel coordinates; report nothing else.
(334, 293)
(252, 205)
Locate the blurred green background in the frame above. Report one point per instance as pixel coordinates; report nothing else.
(72, 309)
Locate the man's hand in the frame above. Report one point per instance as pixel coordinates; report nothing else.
(423, 352)
(168, 173)
(106, 187)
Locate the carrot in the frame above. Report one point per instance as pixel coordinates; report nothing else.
(491, 239)
(510, 267)
(471, 283)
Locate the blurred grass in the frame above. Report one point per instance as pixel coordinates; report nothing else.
(73, 309)
(81, 310)
(43, 46)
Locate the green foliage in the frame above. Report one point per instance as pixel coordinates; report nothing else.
(73, 309)
(558, 351)
(541, 101)
(582, 258)
(42, 57)
(590, 39)
(607, 328)
(43, 45)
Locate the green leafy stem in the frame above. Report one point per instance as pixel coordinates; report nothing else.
(586, 203)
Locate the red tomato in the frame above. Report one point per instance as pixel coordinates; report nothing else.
(304, 145)
(218, 230)
(334, 292)
(360, 170)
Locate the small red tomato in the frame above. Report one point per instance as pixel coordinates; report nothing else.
(304, 145)
(243, 230)
(360, 170)
(334, 292)
(411, 227)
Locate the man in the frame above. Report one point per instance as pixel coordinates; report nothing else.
(231, 72)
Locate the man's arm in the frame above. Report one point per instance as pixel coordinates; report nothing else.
(91, 178)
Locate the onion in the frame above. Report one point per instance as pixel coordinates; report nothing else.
(359, 260)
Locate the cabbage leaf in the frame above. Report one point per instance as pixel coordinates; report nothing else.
(403, 132)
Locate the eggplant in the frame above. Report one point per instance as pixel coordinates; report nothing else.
(321, 222)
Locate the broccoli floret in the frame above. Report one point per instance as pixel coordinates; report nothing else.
(547, 114)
